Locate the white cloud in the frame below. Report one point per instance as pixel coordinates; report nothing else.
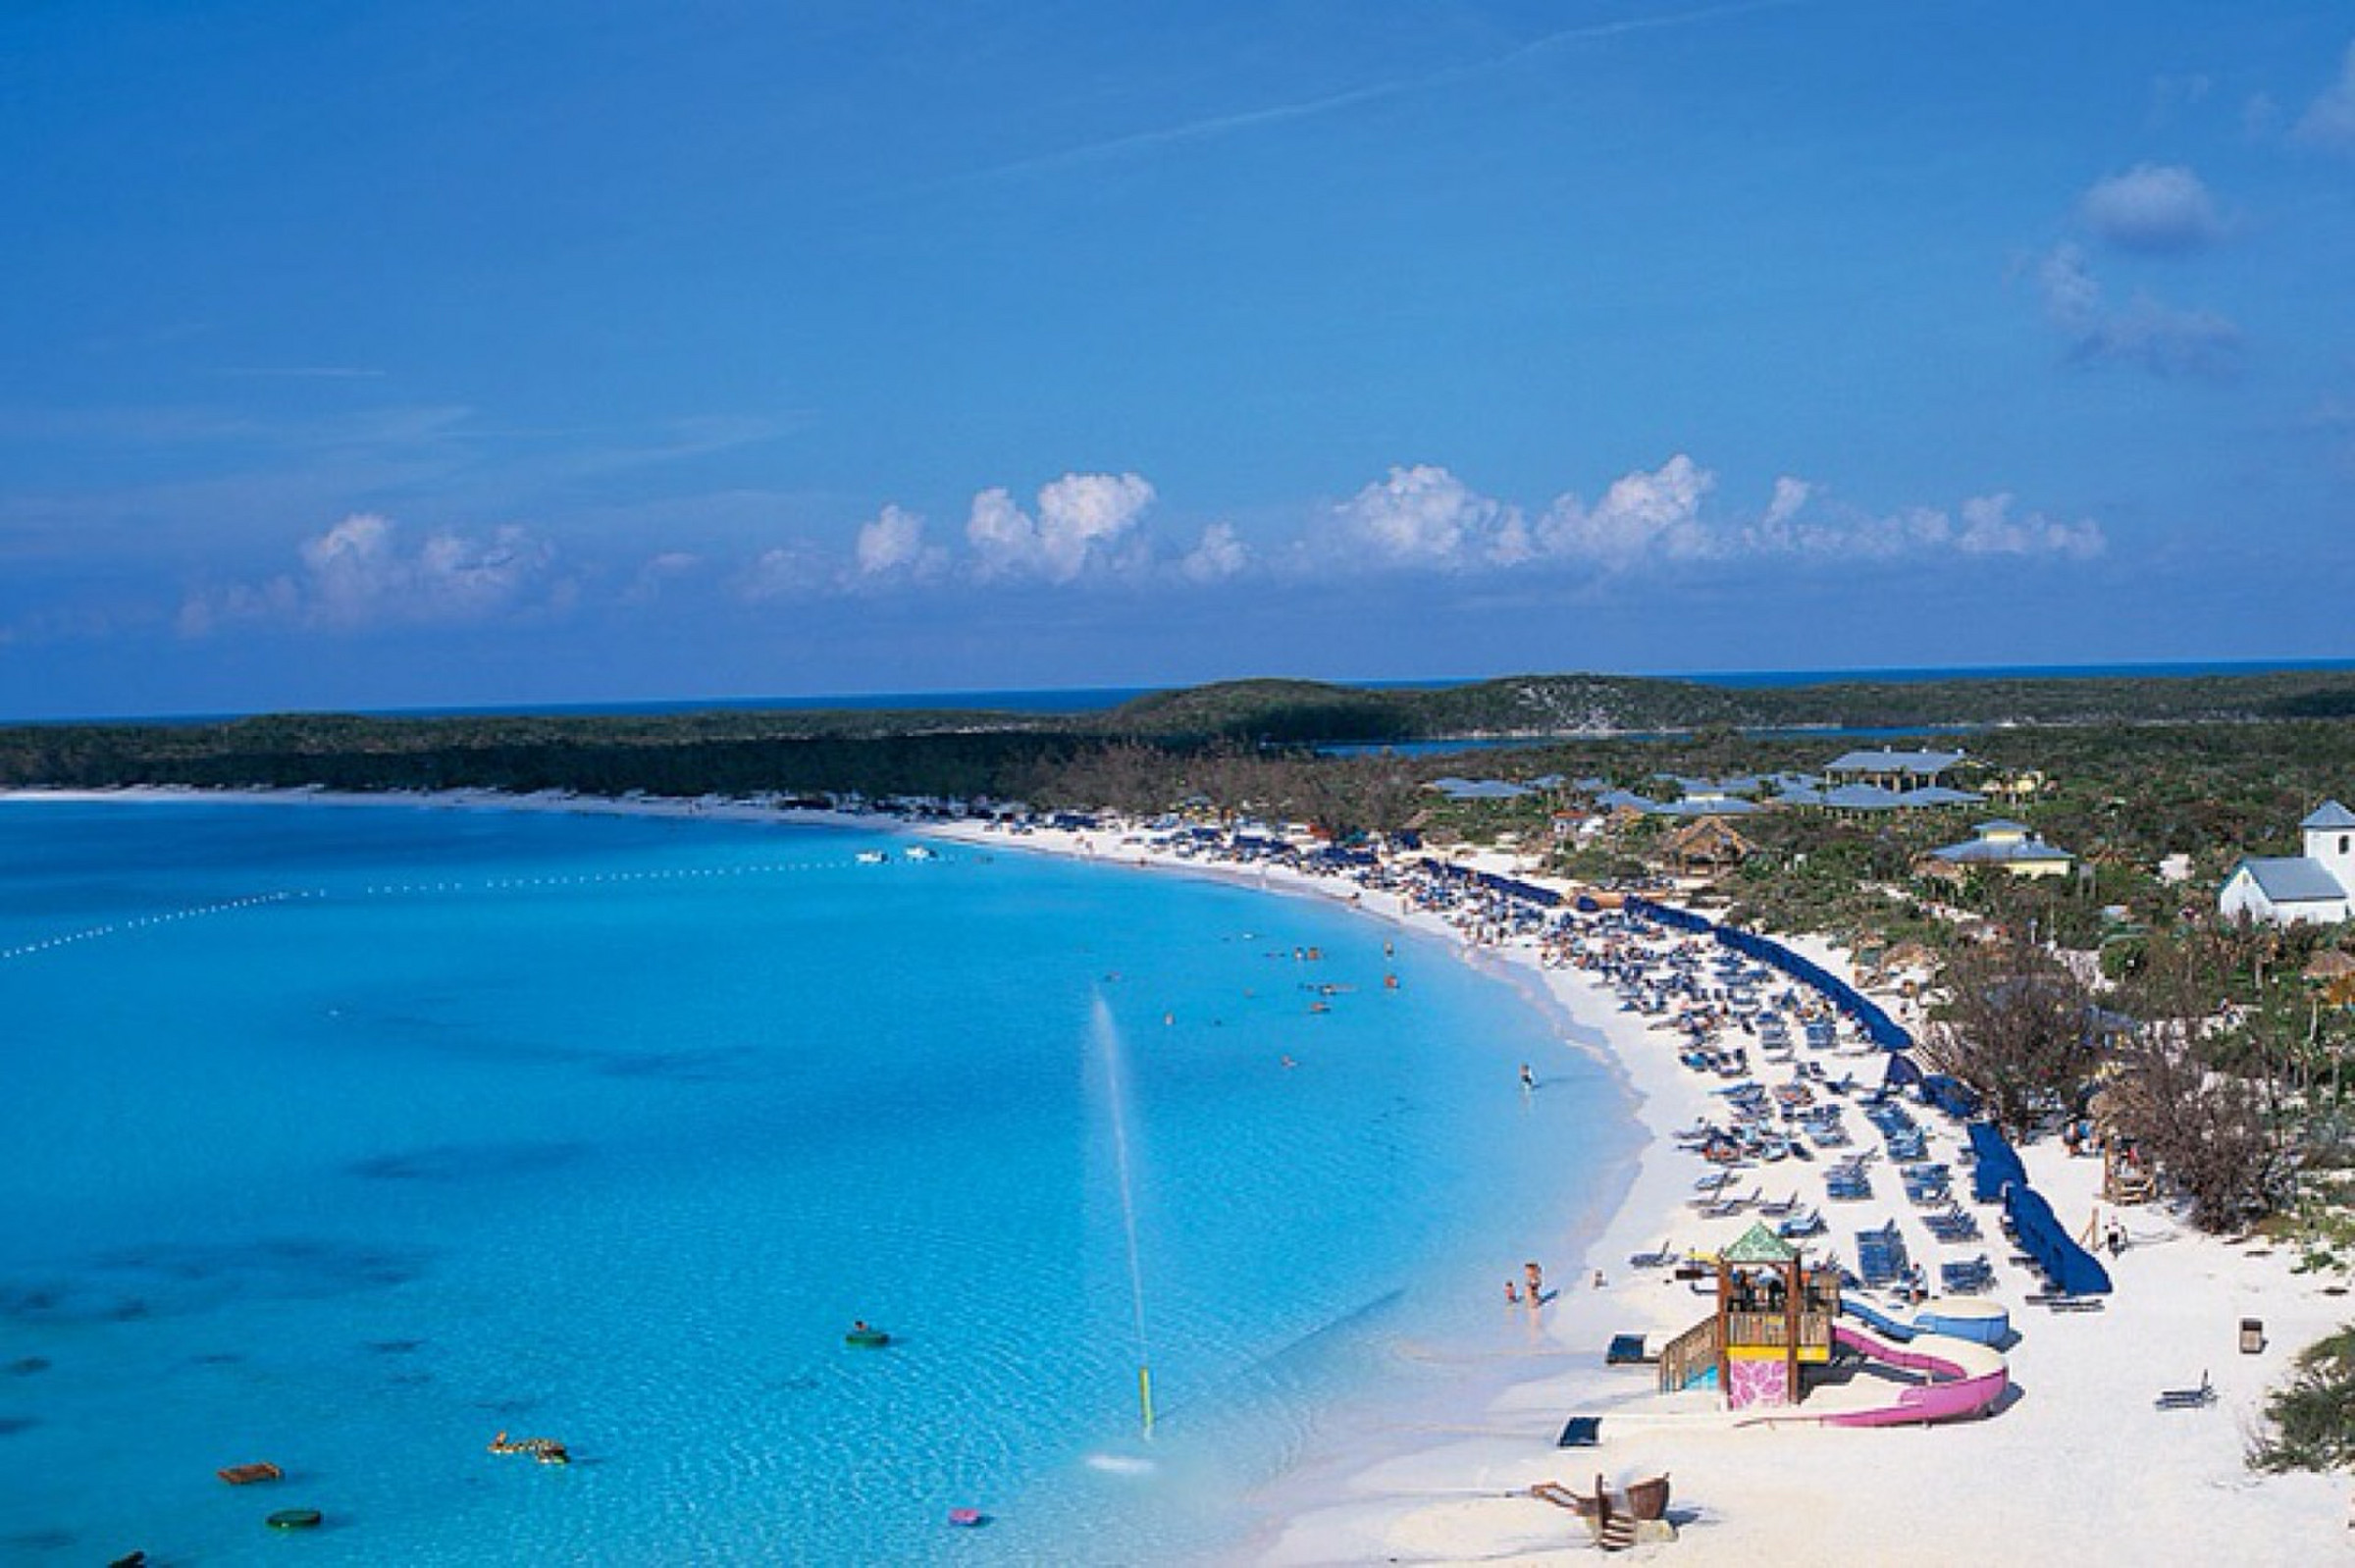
(1985, 527)
(2152, 207)
(2328, 122)
(357, 574)
(1424, 515)
(1219, 556)
(1082, 521)
(788, 571)
(1790, 496)
(2072, 298)
(892, 543)
(1649, 520)
(1640, 515)
(1989, 529)
(2144, 333)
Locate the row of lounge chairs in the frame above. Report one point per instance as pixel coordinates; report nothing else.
(1881, 1260)
(1848, 1182)
(1926, 1184)
(1955, 1224)
(1968, 1279)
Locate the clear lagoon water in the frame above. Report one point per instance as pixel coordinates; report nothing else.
(348, 1137)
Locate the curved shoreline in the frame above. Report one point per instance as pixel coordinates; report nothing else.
(1575, 1012)
(2082, 1466)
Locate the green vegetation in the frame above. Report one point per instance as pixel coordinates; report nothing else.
(2310, 1422)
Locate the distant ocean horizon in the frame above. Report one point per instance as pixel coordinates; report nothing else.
(1099, 699)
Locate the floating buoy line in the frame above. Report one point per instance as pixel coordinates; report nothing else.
(444, 889)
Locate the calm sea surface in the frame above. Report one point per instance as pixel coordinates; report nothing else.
(346, 1138)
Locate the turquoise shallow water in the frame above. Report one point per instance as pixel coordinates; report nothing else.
(346, 1137)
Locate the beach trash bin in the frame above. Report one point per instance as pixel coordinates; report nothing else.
(2252, 1335)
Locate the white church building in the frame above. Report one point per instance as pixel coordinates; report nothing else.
(2316, 888)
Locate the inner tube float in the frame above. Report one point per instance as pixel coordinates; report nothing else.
(867, 1339)
(969, 1518)
(295, 1519)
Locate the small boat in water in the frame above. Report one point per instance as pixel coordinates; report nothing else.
(922, 852)
(865, 1337)
(247, 1475)
(872, 857)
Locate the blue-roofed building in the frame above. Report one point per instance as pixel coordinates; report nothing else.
(1893, 770)
(2310, 889)
(1708, 806)
(1862, 798)
(1478, 789)
(2001, 845)
(1940, 795)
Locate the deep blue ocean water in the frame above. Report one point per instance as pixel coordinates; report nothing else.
(347, 1137)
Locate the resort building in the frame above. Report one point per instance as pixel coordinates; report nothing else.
(2010, 845)
(2309, 889)
(1899, 773)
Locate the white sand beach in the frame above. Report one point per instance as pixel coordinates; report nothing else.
(2078, 1465)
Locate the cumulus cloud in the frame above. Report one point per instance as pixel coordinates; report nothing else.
(2328, 122)
(1988, 528)
(1983, 526)
(2152, 207)
(1082, 521)
(1790, 496)
(1424, 515)
(2142, 333)
(892, 545)
(1642, 514)
(359, 573)
(1220, 555)
(1663, 518)
(789, 571)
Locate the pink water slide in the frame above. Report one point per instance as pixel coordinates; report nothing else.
(1966, 1379)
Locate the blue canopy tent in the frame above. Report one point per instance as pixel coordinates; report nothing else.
(1997, 1165)
(2073, 1270)
(1950, 1094)
(1667, 915)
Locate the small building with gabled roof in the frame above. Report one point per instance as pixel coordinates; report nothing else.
(2309, 889)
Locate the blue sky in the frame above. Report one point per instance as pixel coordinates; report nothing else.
(367, 356)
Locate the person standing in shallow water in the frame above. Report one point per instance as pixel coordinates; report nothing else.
(1537, 1281)
(1529, 1079)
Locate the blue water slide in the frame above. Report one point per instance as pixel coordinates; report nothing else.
(1865, 1312)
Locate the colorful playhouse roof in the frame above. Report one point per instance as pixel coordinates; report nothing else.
(1760, 1245)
